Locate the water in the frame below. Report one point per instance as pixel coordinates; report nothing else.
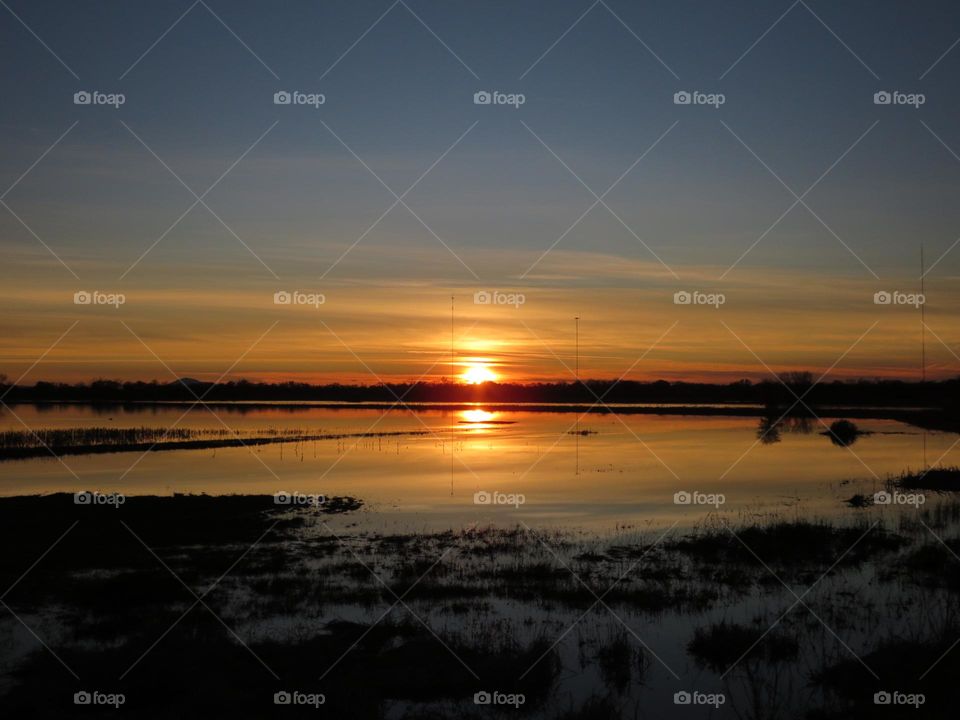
(624, 471)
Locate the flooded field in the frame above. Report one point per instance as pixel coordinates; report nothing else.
(476, 563)
(423, 469)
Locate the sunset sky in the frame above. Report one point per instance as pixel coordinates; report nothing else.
(708, 202)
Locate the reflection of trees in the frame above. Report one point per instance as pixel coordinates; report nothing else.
(798, 424)
(768, 431)
(843, 433)
(771, 427)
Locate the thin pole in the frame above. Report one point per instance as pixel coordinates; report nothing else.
(577, 367)
(577, 319)
(923, 343)
(923, 324)
(452, 379)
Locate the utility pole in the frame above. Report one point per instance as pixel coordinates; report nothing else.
(452, 379)
(923, 342)
(577, 373)
(923, 323)
(577, 321)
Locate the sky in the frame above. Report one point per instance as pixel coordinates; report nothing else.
(780, 201)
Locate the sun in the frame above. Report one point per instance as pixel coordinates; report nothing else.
(476, 374)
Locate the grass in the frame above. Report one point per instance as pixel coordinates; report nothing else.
(22, 444)
(860, 500)
(721, 645)
(938, 479)
(898, 664)
(496, 599)
(789, 543)
(933, 564)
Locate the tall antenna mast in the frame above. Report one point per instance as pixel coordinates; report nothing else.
(577, 366)
(923, 342)
(452, 379)
(923, 324)
(577, 320)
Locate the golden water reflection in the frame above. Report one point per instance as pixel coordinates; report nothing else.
(477, 416)
(423, 469)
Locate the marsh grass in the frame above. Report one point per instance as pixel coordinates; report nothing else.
(721, 645)
(47, 442)
(938, 479)
(904, 664)
(499, 598)
(789, 543)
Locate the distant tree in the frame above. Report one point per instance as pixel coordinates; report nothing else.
(797, 379)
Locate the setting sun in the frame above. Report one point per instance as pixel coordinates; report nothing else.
(476, 374)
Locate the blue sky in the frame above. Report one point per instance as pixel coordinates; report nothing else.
(599, 82)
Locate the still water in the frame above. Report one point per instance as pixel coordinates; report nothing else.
(546, 468)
